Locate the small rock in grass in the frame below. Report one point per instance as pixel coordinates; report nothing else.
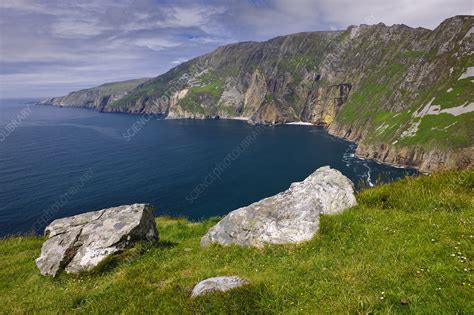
(222, 284)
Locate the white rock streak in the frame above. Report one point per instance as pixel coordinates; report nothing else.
(469, 73)
(431, 109)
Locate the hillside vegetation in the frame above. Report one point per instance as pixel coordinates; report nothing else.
(97, 97)
(407, 247)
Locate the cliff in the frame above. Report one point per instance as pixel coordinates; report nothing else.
(98, 97)
(404, 94)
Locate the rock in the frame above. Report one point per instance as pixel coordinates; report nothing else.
(222, 284)
(98, 97)
(404, 302)
(81, 242)
(291, 216)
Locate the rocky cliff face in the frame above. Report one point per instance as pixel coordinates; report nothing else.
(404, 94)
(98, 98)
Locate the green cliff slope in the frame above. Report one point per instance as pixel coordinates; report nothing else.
(407, 247)
(97, 97)
(404, 94)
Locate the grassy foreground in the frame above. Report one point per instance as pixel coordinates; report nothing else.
(407, 247)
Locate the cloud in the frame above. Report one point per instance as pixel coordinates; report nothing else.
(78, 28)
(422, 13)
(179, 61)
(48, 47)
(156, 43)
(21, 5)
(194, 16)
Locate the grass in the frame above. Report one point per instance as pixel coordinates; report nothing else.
(295, 63)
(386, 126)
(156, 87)
(461, 92)
(406, 248)
(366, 101)
(363, 104)
(209, 85)
(443, 131)
(119, 87)
(268, 98)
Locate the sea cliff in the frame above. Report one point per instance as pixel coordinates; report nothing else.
(403, 94)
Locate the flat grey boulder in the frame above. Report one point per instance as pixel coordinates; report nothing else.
(291, 216)
(217, 284)
(81, 242)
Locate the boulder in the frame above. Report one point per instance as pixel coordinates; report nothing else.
(217, 284)
(81, 242)
(291, 216)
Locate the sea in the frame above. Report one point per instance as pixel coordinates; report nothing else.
(57, 162)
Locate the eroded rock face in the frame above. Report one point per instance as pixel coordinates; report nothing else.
(217, 284)
(291, 216)
(98, 97)
(81, 242)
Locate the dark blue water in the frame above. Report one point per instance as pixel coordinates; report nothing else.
(56, 162)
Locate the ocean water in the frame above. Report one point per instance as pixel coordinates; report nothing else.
(57, 162)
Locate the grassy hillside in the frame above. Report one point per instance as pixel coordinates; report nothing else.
(96, 97)
(407, 247)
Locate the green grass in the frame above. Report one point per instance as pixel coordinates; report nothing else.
(365, 102)
(386, 126)
(268, 98)
(160, 86)
(119, 87)
(443, 131)
(411, 240)
(462, 92)
(367, 105)
(209, 84)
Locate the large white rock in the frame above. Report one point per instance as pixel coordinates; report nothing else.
(222, 284)
(81, 242)
(291, 216)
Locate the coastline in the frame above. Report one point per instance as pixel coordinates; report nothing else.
(300, 123)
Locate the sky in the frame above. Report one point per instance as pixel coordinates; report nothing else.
(52, 47)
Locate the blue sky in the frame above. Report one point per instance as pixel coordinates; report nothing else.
(51, 47)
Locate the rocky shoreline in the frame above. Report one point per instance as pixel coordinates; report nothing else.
(424, 160)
